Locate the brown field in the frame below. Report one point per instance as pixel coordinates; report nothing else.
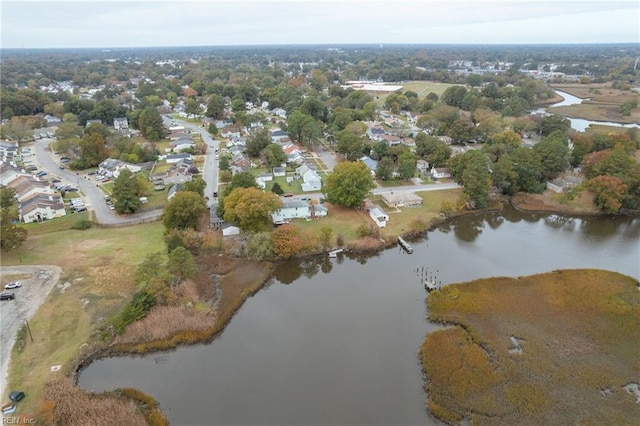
(602, 103)
(549, 201)
(576, 348)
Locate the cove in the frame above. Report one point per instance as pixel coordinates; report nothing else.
(336, 341)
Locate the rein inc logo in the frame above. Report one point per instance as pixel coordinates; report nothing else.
(18, 420)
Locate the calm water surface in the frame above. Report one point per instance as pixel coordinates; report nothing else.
(336, 341)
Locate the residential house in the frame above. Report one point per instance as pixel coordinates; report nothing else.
(278, 135)
(221, 124)
(182, 143)
(240, 163)
(293, 153)
(121, 124)
(52, 120)
(375, 132)
(8, 151)
(440, 172)
(176, 158)
(279, 171)
(379, 217)
(26, 187)
(279, 112)
(310, 179)
(370, 163)
(564, 183)
(174, 190)
(391, 140)
(111, 167)
(262, 180)
(401, 199)
(291, 209)
(423, 167)
(40, 207)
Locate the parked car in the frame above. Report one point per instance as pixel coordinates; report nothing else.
(288, 194)
(12, 285)
(7, 296)
(16, 396)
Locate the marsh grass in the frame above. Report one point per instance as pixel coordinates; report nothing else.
(579, 334)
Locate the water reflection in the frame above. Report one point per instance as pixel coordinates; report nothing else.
(342, 348)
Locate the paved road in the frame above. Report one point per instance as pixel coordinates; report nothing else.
(210, 172)
(14, 313)
(93, 195)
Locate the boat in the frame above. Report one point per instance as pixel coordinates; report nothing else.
(8, 409)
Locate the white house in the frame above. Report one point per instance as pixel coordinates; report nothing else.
(262, 180)
(291, 209)
(379, 216)
(440, 172)
(111, 167)
(310, 178)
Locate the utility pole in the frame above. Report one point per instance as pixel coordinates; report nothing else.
(29, 330)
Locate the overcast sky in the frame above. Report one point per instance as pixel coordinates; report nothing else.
(140, 23)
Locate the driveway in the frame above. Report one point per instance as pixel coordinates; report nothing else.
(14, 313)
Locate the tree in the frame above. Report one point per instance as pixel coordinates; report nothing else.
(150, 124)
(250, 208)
(196, 185)
(286, 242)
(126, 193)
(192, 107)
(551, 123)
(609, 193)
(184, 210)
(349, 184)
(181, 264)
(528, 166)
(503, 176)
(273, 155)
(554, 154)
(349, 144)
(277, 189)
(407, 165)
(384, 170)
(476, 180)
(92, 150)
(215, 107)
(11, 235)
(326, 233)
(151, 270)
(257, 142)
(432, 149)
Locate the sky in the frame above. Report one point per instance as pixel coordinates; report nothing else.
(146, 23)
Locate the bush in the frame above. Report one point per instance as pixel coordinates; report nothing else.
(363, 230)
(136, 309)
(82, 225)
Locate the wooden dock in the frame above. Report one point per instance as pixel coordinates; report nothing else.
(334, 253)
(405, 245)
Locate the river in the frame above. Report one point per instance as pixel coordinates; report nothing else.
(336, 341)
(580, 124)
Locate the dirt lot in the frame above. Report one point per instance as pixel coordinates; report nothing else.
(37, 281)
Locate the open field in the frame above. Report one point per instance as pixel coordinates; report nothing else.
(553, 348)
(96, 281)
(602, 103)
(423, 88)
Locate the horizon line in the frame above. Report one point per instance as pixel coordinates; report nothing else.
(377, 44)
